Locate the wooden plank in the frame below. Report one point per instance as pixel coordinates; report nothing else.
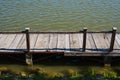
(8, 40)
(53, 42)
(118, 39)
(2, 41)
(100, 42)
(15, 43)
(107, 37)
(61, 43)
(0, 36)
(80, 39)
(33, 39)
(75, 42)
(91, 46)
(67, 43)
(3, 38)
(42, 42)
(117, 44)
(6, 43)
(88, 43)
(22, 44)
(96, 42)
(104, 39)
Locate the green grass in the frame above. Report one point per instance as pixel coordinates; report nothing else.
(105, 73)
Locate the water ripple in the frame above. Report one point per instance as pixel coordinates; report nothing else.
(58, 15)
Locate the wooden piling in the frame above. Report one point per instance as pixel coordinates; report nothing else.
(84, 38)
(27, 39)
(29, 59)
(113, 39)
(107, 61)
(28, 55)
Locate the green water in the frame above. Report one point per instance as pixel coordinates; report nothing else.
(59, 15)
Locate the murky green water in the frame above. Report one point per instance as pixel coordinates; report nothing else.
(59, 15)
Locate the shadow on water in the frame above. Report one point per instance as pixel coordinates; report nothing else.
(12, 59)
(65, 60)
(56, 63)
(57, 60)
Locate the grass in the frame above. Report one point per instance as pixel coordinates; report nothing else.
(105, 73)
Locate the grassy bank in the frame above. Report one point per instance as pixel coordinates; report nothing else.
(38, 73)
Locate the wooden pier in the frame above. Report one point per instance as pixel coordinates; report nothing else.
(82, 43)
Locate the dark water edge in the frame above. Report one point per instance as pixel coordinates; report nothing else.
(82, 68)
(52, 60)
(57, 60)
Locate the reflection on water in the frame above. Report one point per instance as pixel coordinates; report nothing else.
(51, 63)
(59, 15)
(55, 64)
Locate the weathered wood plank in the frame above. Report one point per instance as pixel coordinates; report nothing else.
(105, 40)
(80, 39)
(117, 44)
(53, 42)
(42, 42)
(6, 43)
(118, 35)
(118, 39)
(3, 38)
(91, 46)
(75, 42)
(100, 42)
(88, 43)
(33, 39)
(107, 37)
(15, 43)
(67, 43)
(22, 44)
(9, 40)
(61, 43)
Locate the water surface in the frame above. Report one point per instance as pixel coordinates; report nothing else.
(59, 15)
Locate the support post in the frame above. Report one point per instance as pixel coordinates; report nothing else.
(27, 39)
(28, 55)
(113, 39)
(107, 61)
(29, 59)
(84, 39)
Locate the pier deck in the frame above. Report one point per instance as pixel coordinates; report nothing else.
(67, 43)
